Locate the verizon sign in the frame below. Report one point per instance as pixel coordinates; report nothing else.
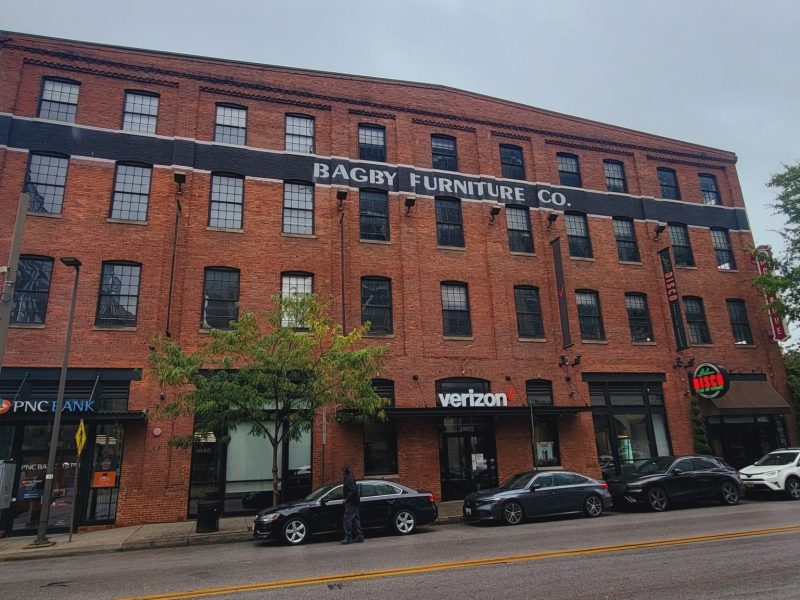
(471, 399)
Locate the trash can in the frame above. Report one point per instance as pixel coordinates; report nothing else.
(207, 516)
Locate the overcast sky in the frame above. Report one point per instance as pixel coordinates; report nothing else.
(722, 73)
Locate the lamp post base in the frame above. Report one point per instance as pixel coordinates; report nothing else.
(45, 543)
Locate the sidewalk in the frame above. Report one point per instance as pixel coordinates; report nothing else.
(159, 535)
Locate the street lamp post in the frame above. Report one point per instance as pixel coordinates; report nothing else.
(44, 515)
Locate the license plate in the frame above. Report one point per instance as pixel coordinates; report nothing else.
(467, 511)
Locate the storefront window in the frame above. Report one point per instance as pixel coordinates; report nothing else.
(101, 504)
(632, 439)
(660, 432)
(6, 441)
(545, 438)
(380, 448)
(205, 470)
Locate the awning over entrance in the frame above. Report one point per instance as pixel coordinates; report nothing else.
(747, 397)
(441, 411)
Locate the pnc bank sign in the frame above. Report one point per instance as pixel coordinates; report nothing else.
(32, 407)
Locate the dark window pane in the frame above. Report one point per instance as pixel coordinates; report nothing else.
(374, 215)
(455, 310)
(668, 182)
(511, 163)
(590, 319)
(529, 312)
(376, 303)
(708, 187)
(449, 229)
(615, 176)
(47, 177)
(220, 298)
(227, 201)
(681, 246)
(580, 244)
(31, 290)
(519, 229)
(539, 392)
(625, 235)
(380, 451)
(119, 295)
(141, 112)
(696, 318)
(723, 249)
(740, 324)
(568, 170)
(639, 317)
(59, 100)
(231, 125)
(298, 208)
(443, 153)
(371, 143)
(131, 193)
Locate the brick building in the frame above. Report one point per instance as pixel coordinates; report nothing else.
(508, 256)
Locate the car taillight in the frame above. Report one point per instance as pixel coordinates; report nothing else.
(431, 498)
(603, 485)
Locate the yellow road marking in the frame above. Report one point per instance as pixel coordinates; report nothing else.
(430, 568)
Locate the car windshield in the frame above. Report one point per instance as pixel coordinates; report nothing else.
(316, 495)
(777, 458)
(516, 482)
(654, 465)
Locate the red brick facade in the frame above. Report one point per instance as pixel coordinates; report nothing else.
(155, 478)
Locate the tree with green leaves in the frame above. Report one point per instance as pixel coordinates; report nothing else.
(783, 280)
(271, 381)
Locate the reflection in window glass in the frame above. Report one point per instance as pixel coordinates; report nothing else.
(632, 440)
(660, 431)
(106, 469)
(47, 178)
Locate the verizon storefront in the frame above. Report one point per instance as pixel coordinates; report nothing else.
(27, 405)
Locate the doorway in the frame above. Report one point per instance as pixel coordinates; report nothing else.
(467, 456)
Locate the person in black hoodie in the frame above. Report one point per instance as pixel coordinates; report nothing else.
(352, 518)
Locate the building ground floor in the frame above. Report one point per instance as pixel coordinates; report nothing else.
(470, 434)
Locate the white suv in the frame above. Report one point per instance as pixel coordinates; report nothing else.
(778, 471)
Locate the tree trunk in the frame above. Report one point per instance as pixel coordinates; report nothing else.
(276, 484)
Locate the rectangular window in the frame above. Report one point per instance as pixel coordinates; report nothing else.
(591, 321)
(511, 163)
(231, 124)
(615, 176)
(723, 249)
(380, 437)
(639, 317)
(295, 285)
(298, 208)
(580, 244)
(449, 225)
(740, 324)
(227, 201)
(545, 437)
(681, 246)
(376, 303)
(31, 290)
(119, 295)
(372, 143)
(220, 297)
(539, 392)
(374, 215)
(131, 193)
(141, 112)
(59, 100)
(569, 172)
(625, 235)
(455, 310)
(669, 184)
(47, 178)
(518, 220)
(709, 189)
(529, 312)
(109, 441)
(696, 318)
(300, 134)
(443, 153)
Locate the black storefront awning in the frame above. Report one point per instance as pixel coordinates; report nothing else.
(509, 411)
(747, 398)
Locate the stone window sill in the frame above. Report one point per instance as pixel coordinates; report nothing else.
(111, 328)
(26, 326)
(125, 221)
(634, 263)
(526, 340)
(702, 345)
(458, 338)
(388, 336)
(643, 343)
(721, 270)
(453, 248)
(46, 215)
(379, 242)
(598, 342)
(512, 253)
(583, 258)
(308, 236)
(688, 268)
(746, 346)
(225, 229)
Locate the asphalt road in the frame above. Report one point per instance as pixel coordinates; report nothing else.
(687, 553)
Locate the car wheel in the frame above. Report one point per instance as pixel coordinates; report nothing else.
(729, 493)
(295, 531)
(793, 488)
(657, 499)
(512, 513)
(593, 506)
(404, 522)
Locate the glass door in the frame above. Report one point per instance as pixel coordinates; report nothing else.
(467, 456)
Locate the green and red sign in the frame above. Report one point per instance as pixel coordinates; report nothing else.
(710, 381)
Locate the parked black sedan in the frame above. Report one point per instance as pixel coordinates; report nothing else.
(383, 505)
(537, 494)
(662, 481)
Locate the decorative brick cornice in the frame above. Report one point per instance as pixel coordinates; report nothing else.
(511, 136)
(99, 73)
(603, 149)
(73, 56)
(369, 113)
(260, 98)
(669, 159)
(443, 125)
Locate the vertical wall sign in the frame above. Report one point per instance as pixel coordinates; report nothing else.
(779, 332)
(674, 300)
(555, 246)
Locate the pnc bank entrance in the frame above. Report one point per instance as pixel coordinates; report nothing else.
(91, 485)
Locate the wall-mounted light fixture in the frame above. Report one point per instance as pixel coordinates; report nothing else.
(341, 196)
(179, 178)
(410, 202)
(659, 230)
(679, 364)
(494, 211)
(563, 361)
(551, 219)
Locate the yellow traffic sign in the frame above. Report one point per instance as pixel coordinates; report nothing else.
(80, 437)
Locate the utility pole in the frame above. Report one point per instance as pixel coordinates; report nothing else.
(7, 292)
